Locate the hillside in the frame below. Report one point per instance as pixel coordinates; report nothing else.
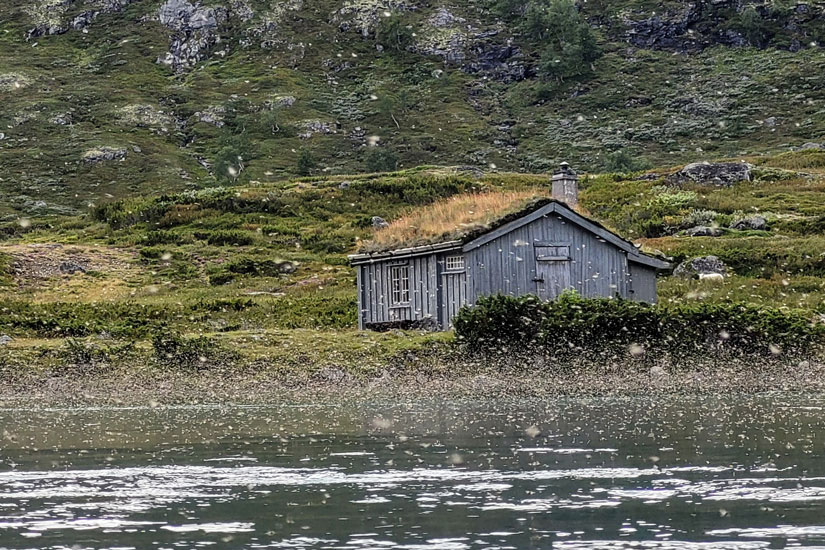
(260, 271)
(107, 99)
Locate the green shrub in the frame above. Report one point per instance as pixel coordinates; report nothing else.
(260, 268)
(176, 351)
(153, 238)
(572, 324)
(306, 163)
(224, 238)
(381, 160)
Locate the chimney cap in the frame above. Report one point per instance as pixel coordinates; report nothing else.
(564, 168)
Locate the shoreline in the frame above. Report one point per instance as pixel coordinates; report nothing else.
(251, 385)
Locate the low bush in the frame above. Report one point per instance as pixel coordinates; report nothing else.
(225, 238)
(174, 350)
(574, 325)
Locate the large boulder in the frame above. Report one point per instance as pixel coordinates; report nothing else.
(703, 265)
(379, 223)
(720, 174)
(195, 32)
(754, 223)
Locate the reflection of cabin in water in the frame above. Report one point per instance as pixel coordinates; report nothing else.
(545, 249)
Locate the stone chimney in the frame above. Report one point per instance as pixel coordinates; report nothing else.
(566, 185)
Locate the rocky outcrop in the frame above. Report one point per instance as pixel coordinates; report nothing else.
(720, 174)
(195, 32)
(703, 265)
(102, 154)
(13, 81)
(312, 127)
(213, 115)
(51, 17)
(704, 23)
(363, 15)
(753, 223)
(146, 116)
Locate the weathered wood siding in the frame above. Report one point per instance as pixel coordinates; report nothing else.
(376, 293)
(507, 264)
(452, 292)
(643, 283)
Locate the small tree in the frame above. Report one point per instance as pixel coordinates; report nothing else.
(306, 163)
(229, 161)
(381, 160)
(569, 44)
(394, 32)
(753, 26)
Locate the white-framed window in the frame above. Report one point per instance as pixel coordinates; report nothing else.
(454, 263)
(400, 284)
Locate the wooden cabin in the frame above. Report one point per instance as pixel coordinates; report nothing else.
(545, 249)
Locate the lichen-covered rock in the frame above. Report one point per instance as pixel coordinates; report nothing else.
(378, 222)
(50, 17)
(146, 116)
(195, 32)
(61, 119)
(213, 115)
(363, 15)
(312, 127)
(13, 81)
(447, 43)
(755, 223)
(281, 101)
(703, 231)
(101, 154)
(720, 174)
(703, 265)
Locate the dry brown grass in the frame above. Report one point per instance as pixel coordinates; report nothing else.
(450, 218)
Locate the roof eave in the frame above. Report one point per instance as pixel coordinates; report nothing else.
(649, 261)
(369, 257)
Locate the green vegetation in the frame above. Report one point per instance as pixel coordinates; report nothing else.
(571, 327)
(236, 266)
(91, 117)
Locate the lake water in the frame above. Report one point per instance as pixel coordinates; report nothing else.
(673, 473)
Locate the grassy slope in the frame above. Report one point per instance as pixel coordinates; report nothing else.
(634, 102)
(187, 263)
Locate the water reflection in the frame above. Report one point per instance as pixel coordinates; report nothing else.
(674, 473)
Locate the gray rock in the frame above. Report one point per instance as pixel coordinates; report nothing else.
(444, 18)
(703, 231)
(344, 185)
(195, 34)
(5, 339)
(812, 146)
(62, 119)
(287, 267)
(756, 223)
(281, 101)
(70, 268)
(720, 174)
(703, 265)
(312, 127)
(100, 154)
(379, 223)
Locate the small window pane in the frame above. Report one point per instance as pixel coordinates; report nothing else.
(552, 252)
(455, 263)
(400, 284)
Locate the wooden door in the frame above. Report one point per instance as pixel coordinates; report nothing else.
(553, 266)
(454, 295)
